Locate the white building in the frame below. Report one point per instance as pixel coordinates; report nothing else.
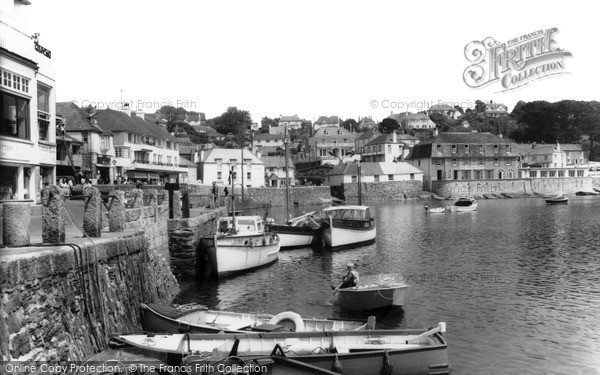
(143, 150)
(266, 144)
(373, 172)
(27, 97)
(217, 163)
(275, 171)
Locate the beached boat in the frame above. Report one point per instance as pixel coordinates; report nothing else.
(465, 204)
(416, 352)
(165, 319)
(240, 244)
(348, 226)
(373, 296)
(559, 199)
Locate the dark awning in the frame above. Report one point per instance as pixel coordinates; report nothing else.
(136, 174)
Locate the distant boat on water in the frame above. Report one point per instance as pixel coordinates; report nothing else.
(559, 199)
(465, 204)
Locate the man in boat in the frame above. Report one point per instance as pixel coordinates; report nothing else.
(351, 279)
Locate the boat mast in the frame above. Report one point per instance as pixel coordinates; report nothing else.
(242, 171)
(232, 198)
(287, 178)
(359, 186)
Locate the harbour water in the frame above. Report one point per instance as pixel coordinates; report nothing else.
(517, 282)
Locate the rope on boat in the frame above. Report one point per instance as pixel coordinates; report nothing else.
(382, 296)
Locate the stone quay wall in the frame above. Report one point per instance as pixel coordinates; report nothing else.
(61, 302)
(513, 187)
(276, 196)
(380, 191)
(184, 237)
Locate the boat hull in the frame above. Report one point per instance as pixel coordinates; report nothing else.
(472, 207)
(349, 233)
(164, 319)
(229, 255)
(294, 237)
(557, 201)
(370, 298)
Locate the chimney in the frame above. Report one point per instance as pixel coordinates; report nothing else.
(125, 108)
(394, 137)
(140, 114)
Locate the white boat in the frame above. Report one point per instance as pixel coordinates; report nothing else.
(240, 244)
(370, 352)
(348, 226)
(435, 210)
(165, 319)
(373, 296)
(465, 204)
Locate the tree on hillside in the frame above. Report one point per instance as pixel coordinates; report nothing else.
(234, 121)
(441, 121)
(265, 123)
(479, 106)
(350, 124)
(388, 125)
(173, 116)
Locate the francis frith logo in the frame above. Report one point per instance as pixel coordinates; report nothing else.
(514, 63)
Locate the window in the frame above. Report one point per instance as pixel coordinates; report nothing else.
(169, 159)
(478, 174)
(580, 173)
(326, 132)
(438, 161)
(389, 149)
(454, 163)
(14, 81)
(454, 149)
(543, 174)
(354, 179)
(533, 174)
(340, 132)
(481, 161)
(104, 143)
(571, 173)
(169, 145)
(379, 148)
(466, 175)
(390, 177)
(129, 137)
(15, 116)
(552, 174)
(481, 149)
(496, 162)
(495, 149)
(43, 114)
(508, 162)
(219, 175)
(219, 164)
(376, 178)
(466, 149)
(439, 150)
(412, 176)
(249, 175)
(489, 174)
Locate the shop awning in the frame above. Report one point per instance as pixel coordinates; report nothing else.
(153, 175)
(136, 174)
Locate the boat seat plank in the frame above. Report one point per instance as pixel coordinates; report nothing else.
(266, 327)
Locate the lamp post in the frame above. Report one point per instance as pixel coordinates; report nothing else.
(287, 177)
(359, 185)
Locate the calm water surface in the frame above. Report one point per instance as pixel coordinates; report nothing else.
(517, 282)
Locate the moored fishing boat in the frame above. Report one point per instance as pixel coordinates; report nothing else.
(240, 244)
(354, 352)
(299, 232)
(558, 199)
(164, 319)
(348, 226)
(373, 296)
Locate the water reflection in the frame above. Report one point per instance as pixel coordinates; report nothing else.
(517, 281)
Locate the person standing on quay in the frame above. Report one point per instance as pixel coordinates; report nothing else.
(215, 192)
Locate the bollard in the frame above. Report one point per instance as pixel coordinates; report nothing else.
(176, 204)
(185, 205)
(92, 217)
(53, 215)
(16, 223)
(116, 213)
(138, 198)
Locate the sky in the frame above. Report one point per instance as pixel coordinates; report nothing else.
(307, 58)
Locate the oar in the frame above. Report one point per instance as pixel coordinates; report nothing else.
(329, 301)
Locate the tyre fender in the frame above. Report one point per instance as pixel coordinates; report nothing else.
(289, 315)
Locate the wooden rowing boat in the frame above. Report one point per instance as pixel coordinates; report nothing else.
(164, 319)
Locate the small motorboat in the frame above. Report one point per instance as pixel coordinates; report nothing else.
(372, 296)
(371, 352)
(435, 210)
(559, 199)
(465, 204)
(165, 319)
(241, 244)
